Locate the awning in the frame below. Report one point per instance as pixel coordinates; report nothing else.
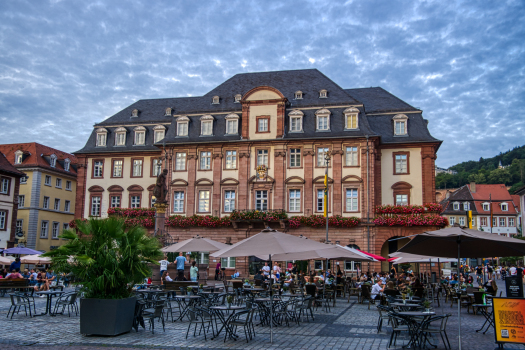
(377, 257)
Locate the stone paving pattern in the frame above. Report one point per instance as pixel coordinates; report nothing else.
(347, 326)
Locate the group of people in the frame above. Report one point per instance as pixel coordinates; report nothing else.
(40, 279)
(180, 262)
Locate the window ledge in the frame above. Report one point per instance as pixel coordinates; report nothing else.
(317, 130)
(346, 129)
(98, 146)
(296, 132)
(405, 135)
(178, 136)
(237, 134)
(206, 135)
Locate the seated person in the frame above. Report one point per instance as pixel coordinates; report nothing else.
(491, 287)
(287, 281)
(391, 289)
(181, 277)
(14, 274)
(259, 276)
(377, 289)
(236, 274)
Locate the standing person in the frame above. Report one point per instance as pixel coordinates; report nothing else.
(503, 273)
(513, 270)
(180, 260)
(276, 270)
(393, 272)
(194, 272)
(218, 270)
(519, 272)
(479, 274)
(15, 265)
(490, 270)
(266, 269)
(164, 264)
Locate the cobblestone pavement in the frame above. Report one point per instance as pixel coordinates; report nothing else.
(347, 326)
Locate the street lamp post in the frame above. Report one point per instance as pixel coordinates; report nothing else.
(327, 162)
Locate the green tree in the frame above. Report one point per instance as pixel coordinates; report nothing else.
(106, 257)
(499, 176)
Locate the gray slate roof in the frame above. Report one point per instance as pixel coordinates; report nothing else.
(309, 81)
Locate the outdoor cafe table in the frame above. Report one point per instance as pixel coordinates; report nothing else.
(483, 309)
(185, 306)
(415, 332)
(49, 294)
(407, 305)
(219, 311)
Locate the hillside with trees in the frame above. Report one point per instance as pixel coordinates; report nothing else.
(487, 171)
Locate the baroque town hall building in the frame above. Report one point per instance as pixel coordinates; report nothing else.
(380, 148)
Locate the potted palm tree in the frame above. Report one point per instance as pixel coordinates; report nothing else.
(107, 259)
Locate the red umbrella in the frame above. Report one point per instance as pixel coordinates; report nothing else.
(377, 257)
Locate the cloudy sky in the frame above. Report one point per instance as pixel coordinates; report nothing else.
(65, 65)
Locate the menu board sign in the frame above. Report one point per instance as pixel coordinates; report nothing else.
(514, 287)
(509, 320)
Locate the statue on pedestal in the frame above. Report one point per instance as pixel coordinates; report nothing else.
(161, 190)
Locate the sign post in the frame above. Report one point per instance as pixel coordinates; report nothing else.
(509, 321)
(514, 287)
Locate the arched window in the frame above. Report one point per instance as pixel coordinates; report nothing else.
(102, 135)
(182, 126)
(53, 160)
(135, 113)
(159, 132)
(140, 135)
(400, 125)
(206, 125)
(238, 98)
(322, 120)
(215, 100)
(168, 112)
(232, 124)
(351, 118)
(298, 95)
(323, 94)
(296, 121)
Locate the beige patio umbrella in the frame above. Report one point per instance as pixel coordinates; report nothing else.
(331, 252)
(195, 244)
(35, 259)
(454, 241)
(6, 260)
(268, 242)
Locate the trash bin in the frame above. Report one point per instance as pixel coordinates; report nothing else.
(433, 277)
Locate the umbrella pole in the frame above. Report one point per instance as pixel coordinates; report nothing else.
(271, 301)
(459, 299)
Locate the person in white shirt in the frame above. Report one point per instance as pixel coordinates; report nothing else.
(513, 270)
(377, 289)
(266, 269)
(164, 265)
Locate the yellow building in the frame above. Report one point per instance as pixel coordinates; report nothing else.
(46, 202)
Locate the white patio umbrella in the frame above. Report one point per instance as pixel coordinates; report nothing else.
(6, 260)
(35, 259)
(268, 242)
(195, 244)
(330, 252)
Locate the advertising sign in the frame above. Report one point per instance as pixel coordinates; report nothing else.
(514, 287)
(509, 320)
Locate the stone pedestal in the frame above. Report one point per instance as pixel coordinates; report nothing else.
(160, 218)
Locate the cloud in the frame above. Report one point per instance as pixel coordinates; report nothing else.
(67, 65)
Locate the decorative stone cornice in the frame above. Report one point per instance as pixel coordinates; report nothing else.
(280, 154)
(193, 156)
(244, 154)
(337, 151)
(217, 155)
(309, 152)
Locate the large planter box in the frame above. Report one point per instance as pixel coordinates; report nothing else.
(106, 316)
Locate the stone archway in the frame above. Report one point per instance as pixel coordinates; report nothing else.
(391, 245)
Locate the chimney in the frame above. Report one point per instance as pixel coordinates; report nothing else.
(473, 187)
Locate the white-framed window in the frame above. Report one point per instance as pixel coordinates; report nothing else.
(466, 206)
(58, 183)
(67, 206)
(54, 230)
(261, 200)
(21, 201)
(295, 157)
(456, 206)
(215, 100)
(207, 125)
(228, 262)
(4, 186)
(483, 221)
(401, 199)
(204, 201)
(351, 118)
(322, 120)
(229, 201)
(67, 164)
(351, 156)
(298, 95)
(19, 156)
(135, 201)
(156, 164)
(502, 222)
(486, 206)
(98, 167)
(231, 126)
(237, 98)
(182, 126)
(140, 135)
(262, 157)
(23, 180)
(400, 125)
(159, 135)
(295, 200)
(44, 229)
(68, 185)
(401, 163)
(296, 121)
(95, 206)
(352, 201)
(117, 168)
(504, 207)
(461, 221)
(65, 227)
(115, 201)
(45, 204)
(321, 151)
(19, 225)
(180, 161)
(262, 124)
(452, 220)
(168, 112)
(120, 136)
(320, 200)
(102, 138)
(323, 94)
(137, 167)
(53, 161)
(205, 160)
(3, 219)
(135, 113)
(178, 202)
(57, 204)
(353, 265)
(47, 180)
(494, 222)
(511, 222)
(231, 159)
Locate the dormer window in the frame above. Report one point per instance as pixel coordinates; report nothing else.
(466, 206)
(296, 121)
(323, 94)
(19, 156)
(298, 95)
(456, 206)
(351, 121)
(140, 135)
(168, 112)
(159, 132)
(486, 206)
(504, 207)
(400, 125)
(237, 98)
(232, 124)
(182, 126)
(322, 120)
(67, 164)
(135, 113)
(120, 136)
(215, 100)
(102, 135)
(206, 125)
(53, 160)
